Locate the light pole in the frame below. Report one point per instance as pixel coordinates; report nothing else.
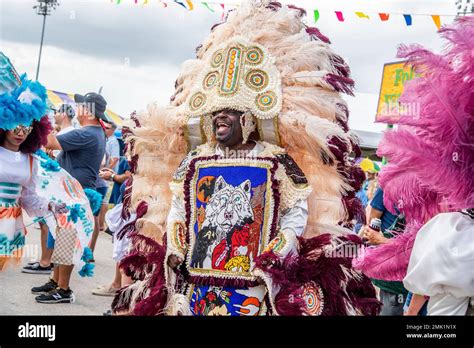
(43, 8)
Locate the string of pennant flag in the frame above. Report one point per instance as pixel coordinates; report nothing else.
(341, 16)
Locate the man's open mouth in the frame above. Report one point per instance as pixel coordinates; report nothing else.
(221, 128)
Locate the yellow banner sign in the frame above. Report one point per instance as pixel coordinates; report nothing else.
(394, 77)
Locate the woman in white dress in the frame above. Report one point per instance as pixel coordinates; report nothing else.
(23, 129)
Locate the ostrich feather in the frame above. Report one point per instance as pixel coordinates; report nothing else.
(431, 156)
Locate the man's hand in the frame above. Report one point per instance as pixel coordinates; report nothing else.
(49, 152)
(174, 261)
(106, 173)
(374, 237)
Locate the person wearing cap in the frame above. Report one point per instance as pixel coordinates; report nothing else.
(82, 151)
(63, 118)
(112, 156)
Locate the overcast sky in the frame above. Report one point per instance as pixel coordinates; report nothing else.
(135, 51)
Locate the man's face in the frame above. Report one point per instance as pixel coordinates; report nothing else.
(226, 127)
(109, 130)
(59, 117)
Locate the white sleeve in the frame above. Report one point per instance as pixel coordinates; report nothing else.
(177, 212)
(295, 219)
(29, 200)
(442, 257)
(176, 229)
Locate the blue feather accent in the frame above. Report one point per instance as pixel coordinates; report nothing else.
(47, 162)
(76, 211)
(95, 199)
(87, 270)
(87, 255)
(13, 112)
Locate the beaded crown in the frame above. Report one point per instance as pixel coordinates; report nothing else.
(239, 75)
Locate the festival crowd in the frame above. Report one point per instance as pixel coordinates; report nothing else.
(200, 232)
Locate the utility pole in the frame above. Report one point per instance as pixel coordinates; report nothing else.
(43, 8)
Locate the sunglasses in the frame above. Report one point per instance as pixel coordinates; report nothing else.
(26, 130)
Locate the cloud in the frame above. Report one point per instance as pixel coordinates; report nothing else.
(143, 35)
(125, 87)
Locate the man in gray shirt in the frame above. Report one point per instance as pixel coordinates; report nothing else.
(83, 148)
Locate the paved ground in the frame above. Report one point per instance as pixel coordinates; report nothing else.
(15, 286)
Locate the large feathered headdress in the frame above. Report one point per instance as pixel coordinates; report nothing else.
(431, 156)
(263, 59)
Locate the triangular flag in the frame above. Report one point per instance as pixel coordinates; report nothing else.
(361, 15)
(316, 15)
(384, 16)
(180, 3)
(118, 2)
(407, 19)
(437, 21)
(209, 8)
(145, 2)
(223, 12)
(339, 16)
(190, 4)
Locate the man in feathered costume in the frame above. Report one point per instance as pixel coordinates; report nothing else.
(429, 177)
(257, 217)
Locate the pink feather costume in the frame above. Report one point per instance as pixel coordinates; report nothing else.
(431, 155)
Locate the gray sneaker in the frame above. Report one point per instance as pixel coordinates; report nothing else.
(57, 296)
(36, 268)
(49, 286)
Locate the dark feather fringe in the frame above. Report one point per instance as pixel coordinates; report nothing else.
(155, 302)
(342, 116)
(145, 263)
(313, 264)
(274, 6)
(340, 65)
(316, 34)
(301, 11)
(127, 199)
(340, 83)
(338, 147)
(135, 265)
(296, 306)
(134, 118)
(133, 164)
(119, 305)
(356, 149)
(129, 228)
(355, 209)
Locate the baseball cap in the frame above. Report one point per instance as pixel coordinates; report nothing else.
(96, 103)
